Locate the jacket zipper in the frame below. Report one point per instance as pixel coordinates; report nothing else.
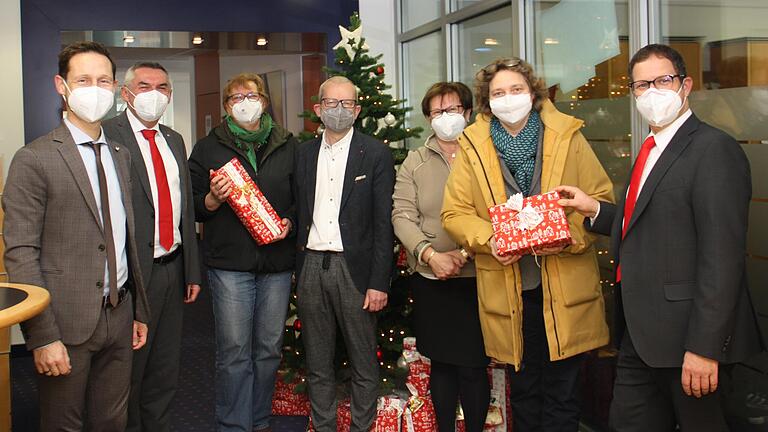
(552, 308)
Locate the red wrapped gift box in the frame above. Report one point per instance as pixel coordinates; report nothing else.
(285, 399)
(521, 224)
(419, 415)
(389, 414)
(250, 205)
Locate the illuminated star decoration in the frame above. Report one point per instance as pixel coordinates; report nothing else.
(349, 40)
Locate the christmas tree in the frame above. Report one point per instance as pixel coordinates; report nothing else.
(381, 115)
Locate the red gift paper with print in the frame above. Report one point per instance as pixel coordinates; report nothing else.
(419, 415)
(522, 224)
(250, 204)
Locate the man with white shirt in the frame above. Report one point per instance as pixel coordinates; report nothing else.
(165, 235)
(683, 311)
(69, 229)
(344, 235)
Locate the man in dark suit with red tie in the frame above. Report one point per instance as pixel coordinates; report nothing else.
(684, 313)
(166, 239)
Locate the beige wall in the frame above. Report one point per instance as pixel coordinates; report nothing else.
(11, 108)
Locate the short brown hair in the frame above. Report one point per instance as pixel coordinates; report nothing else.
(444, 88)
(485, 75)
(662, 51)
(79, 48)
(242, 80)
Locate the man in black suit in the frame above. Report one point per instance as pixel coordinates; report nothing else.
(165, 235)
(344, 184)
(679, 236)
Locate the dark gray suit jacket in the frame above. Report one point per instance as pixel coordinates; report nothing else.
(684, 284)
(53, 237)
(365, 218)
(119, 128)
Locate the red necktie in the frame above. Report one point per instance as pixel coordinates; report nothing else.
(164, 206)
(634, 187)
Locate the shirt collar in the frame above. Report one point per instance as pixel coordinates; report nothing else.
(664, 136)
(340, 143)
(136, 124)
(81, 137)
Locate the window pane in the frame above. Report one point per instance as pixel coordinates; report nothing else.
(423, 65)
(417, 12)
(458, 4)
(582, 52)
(725, 47)
(482, 40)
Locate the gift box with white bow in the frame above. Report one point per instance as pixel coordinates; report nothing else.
(521, 225)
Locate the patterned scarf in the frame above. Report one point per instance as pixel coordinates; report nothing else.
(518, 152)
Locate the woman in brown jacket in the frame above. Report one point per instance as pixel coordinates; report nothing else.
(445, 313)
(540, 316)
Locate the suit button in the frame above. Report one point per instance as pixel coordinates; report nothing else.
(150, 244)
(100, 284)
(102, 247)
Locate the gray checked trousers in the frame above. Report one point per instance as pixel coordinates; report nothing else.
(327, 296)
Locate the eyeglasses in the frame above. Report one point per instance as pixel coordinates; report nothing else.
(453, 109)
(239, 97)
(663, 82)
(333, 103)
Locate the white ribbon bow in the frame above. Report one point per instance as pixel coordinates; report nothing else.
(527, 217)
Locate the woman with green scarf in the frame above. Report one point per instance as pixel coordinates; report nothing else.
(250, 284)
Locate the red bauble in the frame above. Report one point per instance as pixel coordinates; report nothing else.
(297, 325)
(379, 70)
(379, 354)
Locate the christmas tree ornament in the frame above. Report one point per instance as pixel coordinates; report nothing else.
(297, 325)
(389, 119)
(350, 39)
(402, 363)
(379, 70)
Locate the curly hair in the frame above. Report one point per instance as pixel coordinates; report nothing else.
(484, 76)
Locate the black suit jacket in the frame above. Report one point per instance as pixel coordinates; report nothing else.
(143, 204)
(683, 278)
(365, 213)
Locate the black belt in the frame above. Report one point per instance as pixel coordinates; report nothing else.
(165, 259)
(121, 293)
(326, 256)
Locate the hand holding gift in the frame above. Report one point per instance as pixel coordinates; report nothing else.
(232, 182)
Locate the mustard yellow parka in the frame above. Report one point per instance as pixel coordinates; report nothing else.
(574, 310)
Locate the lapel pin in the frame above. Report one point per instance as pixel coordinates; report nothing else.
(117, 148)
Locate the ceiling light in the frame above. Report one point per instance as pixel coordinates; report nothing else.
(261, 41)
(197, 39)
(491, 41)
(128, 38)
(551, 41)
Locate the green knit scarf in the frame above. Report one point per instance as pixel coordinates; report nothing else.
(250, 141)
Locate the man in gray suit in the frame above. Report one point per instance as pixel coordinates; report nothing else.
(69, 229)
(165, 235)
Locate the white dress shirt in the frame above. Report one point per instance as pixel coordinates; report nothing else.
(325, 235)
(662, 140)
(171, 173)
(116, 208)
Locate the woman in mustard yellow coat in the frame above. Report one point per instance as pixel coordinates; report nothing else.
(537, 314)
